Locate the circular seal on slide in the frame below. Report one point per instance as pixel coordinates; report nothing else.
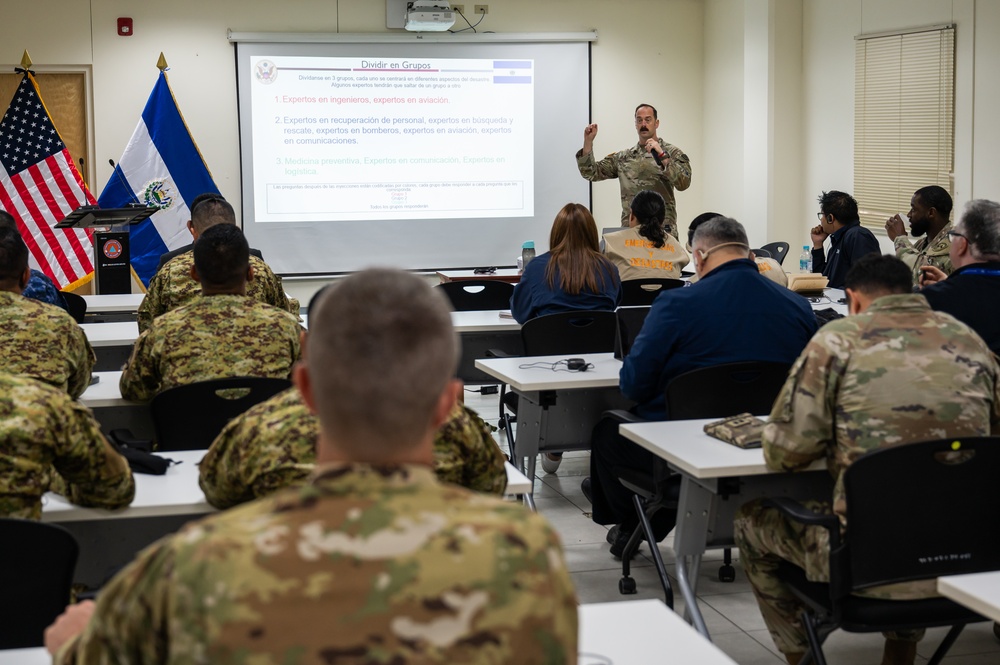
(157, 193)
(112, 249)
(266, 72)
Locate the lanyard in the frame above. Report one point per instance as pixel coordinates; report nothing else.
(993, 272)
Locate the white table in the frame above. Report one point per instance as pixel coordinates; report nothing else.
(980, 592)
(484, 321)
(716, 479)
(114, 304)
(556, 409)
(34, 656)
(115, 333)
(510, 275)
(641, 631)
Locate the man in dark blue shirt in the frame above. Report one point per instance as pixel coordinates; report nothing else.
(972, 292)
(849, 241)
(732, 314)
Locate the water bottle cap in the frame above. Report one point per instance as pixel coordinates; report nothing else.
(805, 246)
(529, 244)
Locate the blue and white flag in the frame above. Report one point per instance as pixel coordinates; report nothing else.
(161, 167)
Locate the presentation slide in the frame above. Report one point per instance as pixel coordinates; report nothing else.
(343, 138)
(413, 151)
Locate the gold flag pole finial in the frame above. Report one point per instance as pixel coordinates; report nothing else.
(161, 64)
(25, 60)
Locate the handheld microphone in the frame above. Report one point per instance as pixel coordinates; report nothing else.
(656, 156)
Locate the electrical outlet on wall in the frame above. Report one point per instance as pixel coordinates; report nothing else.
(482, 9)
(458, 8)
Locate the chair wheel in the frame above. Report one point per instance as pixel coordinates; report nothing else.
(727, 573)
(626, 586)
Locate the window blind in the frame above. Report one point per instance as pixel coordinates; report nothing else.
(904, 119)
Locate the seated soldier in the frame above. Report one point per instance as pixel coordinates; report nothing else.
(222, 334)
(173, 286)
(372, 559)
(44, 432)
(174, 253)
(39, 286)
(38, 340)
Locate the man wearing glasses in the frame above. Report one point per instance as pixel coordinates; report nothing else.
(972, 292)
(652, 163)
(849, 241)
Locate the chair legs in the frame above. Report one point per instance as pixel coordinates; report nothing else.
(627, 585)
(726, 571)
(946, 643)
(816, 639)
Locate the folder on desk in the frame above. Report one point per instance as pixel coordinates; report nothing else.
(743, 430)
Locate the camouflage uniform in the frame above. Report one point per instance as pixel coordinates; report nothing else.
(273, 446)
(214, 337)
(636, 171)
(362, 565)
(172, 287)
(897, 373)
(45, 343)
(43, 432)
(925, 252)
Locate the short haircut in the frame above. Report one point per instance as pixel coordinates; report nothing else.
(840, 205)
(645, 106)
(650, 209)
(935, 197)
(211, 212)
(981, 227)
(13, 255)
(698, 221)
(381, 348)
(7, 220)
(719, 230)
(222, 256)
(879, 275)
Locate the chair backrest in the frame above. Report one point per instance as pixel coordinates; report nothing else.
(639, 292)
(477, 294)
(580, 331)
(75, 305)
(36, 572)
(920, 510)
(777, 250)
(762, 253)
(630, 320)
(190, 417)
(725, 390)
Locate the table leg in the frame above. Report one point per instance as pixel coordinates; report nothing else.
(690, 539)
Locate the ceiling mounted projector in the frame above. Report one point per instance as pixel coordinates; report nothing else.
(429, 16)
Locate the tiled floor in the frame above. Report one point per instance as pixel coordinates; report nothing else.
(730, 610)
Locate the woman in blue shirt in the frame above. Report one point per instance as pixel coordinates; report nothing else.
(573, 274)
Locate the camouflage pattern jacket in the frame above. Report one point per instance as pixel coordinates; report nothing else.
(42, 289)
(636, 171)
(43, 431)
(172, 287)
(898, 373)
(362, 565)
(273, 446)
(214, 337)
(45, 343)
(926, 252)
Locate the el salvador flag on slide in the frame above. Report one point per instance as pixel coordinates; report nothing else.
(161, 167)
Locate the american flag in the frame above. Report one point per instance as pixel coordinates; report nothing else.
(40, 185)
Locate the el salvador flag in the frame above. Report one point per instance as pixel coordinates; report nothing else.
(161, 166)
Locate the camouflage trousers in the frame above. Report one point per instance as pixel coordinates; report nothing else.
(765, 537)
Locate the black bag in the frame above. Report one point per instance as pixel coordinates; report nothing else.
(138, 453)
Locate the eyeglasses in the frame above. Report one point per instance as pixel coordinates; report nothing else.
(956, 233)
(820, 216)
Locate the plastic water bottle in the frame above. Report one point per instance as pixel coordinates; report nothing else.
(527, 253)
(805, 260)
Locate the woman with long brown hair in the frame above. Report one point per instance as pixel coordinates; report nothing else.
(573, 274)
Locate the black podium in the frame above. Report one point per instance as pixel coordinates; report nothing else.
(112, 270)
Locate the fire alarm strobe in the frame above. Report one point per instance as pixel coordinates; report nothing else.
(125, 26)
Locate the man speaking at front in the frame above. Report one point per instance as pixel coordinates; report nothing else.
(650, 164)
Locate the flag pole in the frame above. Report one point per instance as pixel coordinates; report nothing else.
(161, 64)
(25, 64)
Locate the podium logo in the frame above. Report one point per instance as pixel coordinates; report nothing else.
(158, 194)
(266, 72)
(112, 249)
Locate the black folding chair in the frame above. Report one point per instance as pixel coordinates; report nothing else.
(709, 392)
(477, 294)
(630, 320)
(36, 573)
(190, 417)
(574, 332)
(914, 512)
(638, 292)
(777, 250)
(761, 253)
(75, 305)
